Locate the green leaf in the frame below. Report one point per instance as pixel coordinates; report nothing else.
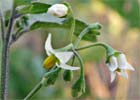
(90, 36)
(130, 13)
(35, 8)
(39, 24)
(22, 2)
(45, 21)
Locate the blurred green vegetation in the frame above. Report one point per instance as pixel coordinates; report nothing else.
(27, 54)
(129, 9)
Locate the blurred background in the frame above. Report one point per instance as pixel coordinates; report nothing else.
(121, 29)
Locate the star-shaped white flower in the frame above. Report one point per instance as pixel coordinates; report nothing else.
(119, 65)
(57, 58)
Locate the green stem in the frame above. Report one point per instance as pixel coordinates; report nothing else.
(39, 85)
(4, 62)
(68, 47)
(81, 64)
(86, 30)
(73, 59)
(72, 27)
(10, 25)
(16, 36)
(80, 36)
(72, 19)
(2, 25)
(34, 91)
(4, 70)
(108, 48)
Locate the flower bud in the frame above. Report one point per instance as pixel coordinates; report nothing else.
(67, 75)
(58, 10)
(78, 87)
(95, 26)
(51, 78)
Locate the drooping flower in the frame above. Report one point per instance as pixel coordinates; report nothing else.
(118, 64)
(57, 58)
(58, 10)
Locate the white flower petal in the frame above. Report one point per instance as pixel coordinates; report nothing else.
(113, 75)
(64, 56)
(123, 73)
(127, 66)
(122, 61)
(112, 65)
(67, 67)
(48, 46)
(130, 67)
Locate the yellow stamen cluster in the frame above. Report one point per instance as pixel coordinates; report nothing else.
(118, 70)
(49, 62)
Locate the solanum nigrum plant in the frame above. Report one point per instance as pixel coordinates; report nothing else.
(29, 15)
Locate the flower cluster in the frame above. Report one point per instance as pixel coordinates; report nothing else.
(118, 64)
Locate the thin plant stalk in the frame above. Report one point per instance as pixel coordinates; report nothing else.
(39, 85)
(4, 59)
(34, 91)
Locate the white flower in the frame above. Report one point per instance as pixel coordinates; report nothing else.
(57, 58)
(119, 65)
(58, 10)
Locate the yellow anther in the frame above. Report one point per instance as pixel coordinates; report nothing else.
(118, 70)
(49, 62)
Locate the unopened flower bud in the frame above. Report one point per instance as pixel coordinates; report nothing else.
(58, 10)
(51, 78)
(67, 75)
(78, 87)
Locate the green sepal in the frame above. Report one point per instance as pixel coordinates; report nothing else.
(113, 53)
(67, 75)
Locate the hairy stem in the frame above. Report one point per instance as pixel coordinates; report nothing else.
(10, 25)
(36, 88)
(4, 62)
(4, 71)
